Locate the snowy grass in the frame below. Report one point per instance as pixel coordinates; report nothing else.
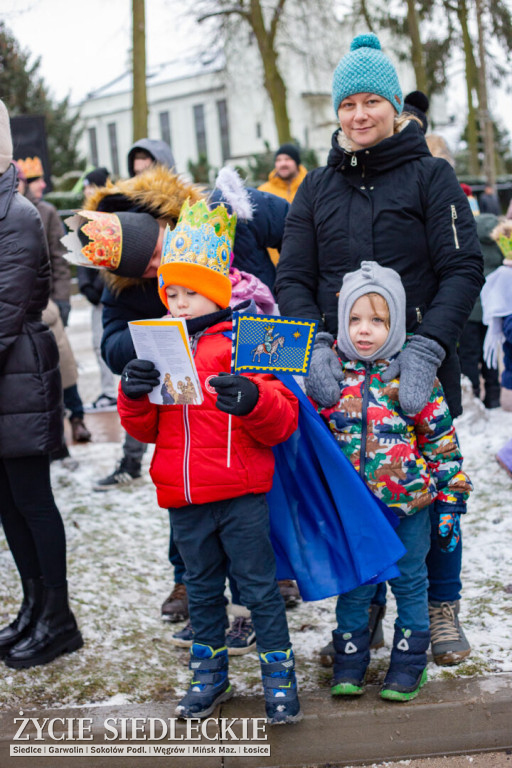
(119, 575)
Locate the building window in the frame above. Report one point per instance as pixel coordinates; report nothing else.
(112, 138)
(93, 146)
(200, 130)
(165, 128)
(222, 111)
(258, 130)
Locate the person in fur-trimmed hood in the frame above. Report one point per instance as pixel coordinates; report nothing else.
(143, 206)
(412, 463)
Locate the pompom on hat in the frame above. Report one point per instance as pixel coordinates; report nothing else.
(366, 69)
(197, 253)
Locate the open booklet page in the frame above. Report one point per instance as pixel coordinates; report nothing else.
(164, 341)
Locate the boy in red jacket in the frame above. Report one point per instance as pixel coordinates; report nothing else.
(217, 514)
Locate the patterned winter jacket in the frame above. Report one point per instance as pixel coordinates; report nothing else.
(406, 461)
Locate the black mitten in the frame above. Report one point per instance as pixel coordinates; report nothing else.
(235, 394)
(139, 377)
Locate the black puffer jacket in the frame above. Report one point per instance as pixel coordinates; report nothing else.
(30, 387)
(396, 204)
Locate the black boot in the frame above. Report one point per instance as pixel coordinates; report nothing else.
(54, 632)
(27, 615)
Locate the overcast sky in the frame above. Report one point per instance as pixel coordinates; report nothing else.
(84, 44)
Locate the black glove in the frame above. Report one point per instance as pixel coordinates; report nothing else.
(235, 394)
(138, 378)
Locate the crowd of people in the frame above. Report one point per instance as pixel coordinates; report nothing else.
(384, 249)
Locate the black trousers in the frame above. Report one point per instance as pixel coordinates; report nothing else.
(471, 347)
(32, 523)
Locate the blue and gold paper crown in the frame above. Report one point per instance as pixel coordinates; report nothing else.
(197, 252)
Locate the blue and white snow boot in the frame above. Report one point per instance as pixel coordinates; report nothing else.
(280, 687)
(407, 670)
(210, 684)
(351, 659)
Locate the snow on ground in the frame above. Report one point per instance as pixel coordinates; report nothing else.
(119, 575)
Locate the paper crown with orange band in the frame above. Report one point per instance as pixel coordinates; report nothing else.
(196, 254)
(32, 167)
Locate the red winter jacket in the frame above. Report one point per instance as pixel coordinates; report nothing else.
(189, 465)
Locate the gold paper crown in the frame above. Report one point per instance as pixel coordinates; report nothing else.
(105, 239)
(197, 252)
(32, 167)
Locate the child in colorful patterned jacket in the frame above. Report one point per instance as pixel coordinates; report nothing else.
(217, 513)
(409, 462)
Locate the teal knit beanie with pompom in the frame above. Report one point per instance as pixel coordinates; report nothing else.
(366, 69)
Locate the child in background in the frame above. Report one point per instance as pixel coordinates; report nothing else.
(408, 462)
(217, 513)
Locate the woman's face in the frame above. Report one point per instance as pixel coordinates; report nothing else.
(366, 119)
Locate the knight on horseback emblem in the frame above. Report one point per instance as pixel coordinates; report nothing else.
(270, 346)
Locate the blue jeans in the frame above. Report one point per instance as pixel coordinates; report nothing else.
(443, 567)
(409, 589)
(234, 531)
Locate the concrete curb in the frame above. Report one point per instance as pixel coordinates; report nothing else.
(448, 717)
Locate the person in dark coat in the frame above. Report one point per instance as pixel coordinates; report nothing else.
(383, 197)
(90, 285)
(471, 343)
(30, 429)
(489, 202)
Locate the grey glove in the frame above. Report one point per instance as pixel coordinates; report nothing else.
(325, 372)
(417, 366)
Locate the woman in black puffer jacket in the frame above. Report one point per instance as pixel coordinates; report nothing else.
(383, 197)
(30, 428)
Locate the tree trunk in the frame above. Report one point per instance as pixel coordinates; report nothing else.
(417, 57)
(140, 103)
(485, 118)
(471, 83)
(273, 81)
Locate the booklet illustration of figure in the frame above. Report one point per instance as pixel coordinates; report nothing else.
(164, 341)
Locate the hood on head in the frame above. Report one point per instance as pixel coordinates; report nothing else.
(372, 278)
(159, 151)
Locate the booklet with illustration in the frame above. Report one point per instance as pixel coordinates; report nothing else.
(164, 341)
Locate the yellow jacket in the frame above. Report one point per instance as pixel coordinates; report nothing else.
(277, 186)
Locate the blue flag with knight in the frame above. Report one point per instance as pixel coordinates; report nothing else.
(268, 343)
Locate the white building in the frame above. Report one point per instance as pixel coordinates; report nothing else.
(216, 105)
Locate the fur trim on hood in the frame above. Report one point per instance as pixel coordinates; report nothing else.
(158, 191)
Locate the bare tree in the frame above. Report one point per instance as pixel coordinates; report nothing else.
(140, 103)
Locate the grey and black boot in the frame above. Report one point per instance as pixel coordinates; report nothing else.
(54, 632)
(351, 659)
(407, 670)
(449, 643)
(27, 615)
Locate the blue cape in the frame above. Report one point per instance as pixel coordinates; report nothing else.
(329, 532)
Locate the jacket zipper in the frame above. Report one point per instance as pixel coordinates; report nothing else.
(454, 219)
(186, 456)
(365, 389)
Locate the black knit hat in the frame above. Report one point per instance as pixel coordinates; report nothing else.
(98, 177)
(135, 236)
(417, 104)
(291, 150)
